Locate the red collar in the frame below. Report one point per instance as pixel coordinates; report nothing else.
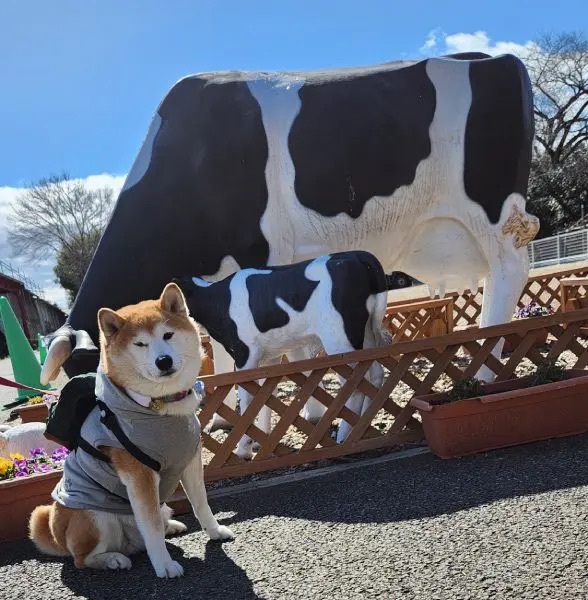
(173, 397)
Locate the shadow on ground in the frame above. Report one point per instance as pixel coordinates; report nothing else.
(420, 487)
(216, 576)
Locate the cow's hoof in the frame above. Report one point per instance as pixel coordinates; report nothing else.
(309, 416)
(218, 423)
(245, 453)
(342, 433)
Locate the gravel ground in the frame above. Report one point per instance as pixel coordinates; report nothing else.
(506, 524)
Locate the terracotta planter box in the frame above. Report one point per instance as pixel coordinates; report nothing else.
(510, 414)
(19, 497)
(33, 413)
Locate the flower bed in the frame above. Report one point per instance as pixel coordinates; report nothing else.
(26, 482)
(36, 410)
(38, 461)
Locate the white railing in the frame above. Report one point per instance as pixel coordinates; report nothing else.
(559, 249)
(7, 269)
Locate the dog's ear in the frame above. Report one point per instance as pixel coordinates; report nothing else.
(172, 301)
(110, 322)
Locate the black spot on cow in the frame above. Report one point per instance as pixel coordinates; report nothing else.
(499, 133)
(350, 301)
(209, 306)
(288, 283)
(360, 137)
(200, 199)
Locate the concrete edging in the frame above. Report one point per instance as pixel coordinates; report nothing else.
(311, 474)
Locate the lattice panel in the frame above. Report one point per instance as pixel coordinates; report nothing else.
(573, 293)
(415, 367)
(417, 320)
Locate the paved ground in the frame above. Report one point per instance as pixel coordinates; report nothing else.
(507, 524)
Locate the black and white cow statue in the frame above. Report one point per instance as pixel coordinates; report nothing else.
(424, 164)
(336, 302)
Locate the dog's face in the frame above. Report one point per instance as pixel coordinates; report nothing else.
(153, 347)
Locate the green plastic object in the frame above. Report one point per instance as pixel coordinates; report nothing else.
(42, 349)
(25, 366)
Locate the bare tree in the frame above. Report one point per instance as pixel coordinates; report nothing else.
(558, 66)
(60, 216)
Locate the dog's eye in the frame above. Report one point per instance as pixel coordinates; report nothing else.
(168, 335)
(140, 344)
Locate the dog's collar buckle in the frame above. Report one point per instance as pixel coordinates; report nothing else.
(157, 403)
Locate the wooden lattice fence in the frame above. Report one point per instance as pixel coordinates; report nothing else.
(543, 289)
(413, 367)
(417, 320)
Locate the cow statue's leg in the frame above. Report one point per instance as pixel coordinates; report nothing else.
(508, 269)
(246, 446)
(502, 289)
(313, 409)
(374, 338)
(357, 401)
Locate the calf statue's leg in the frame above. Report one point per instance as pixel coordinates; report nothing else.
(223, 363)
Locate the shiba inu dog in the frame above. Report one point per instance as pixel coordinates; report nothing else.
(140, 441)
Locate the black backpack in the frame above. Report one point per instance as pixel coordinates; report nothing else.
(66, 417)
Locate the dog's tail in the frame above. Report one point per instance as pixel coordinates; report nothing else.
(41, 534)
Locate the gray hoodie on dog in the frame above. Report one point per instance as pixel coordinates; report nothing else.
(90, 483)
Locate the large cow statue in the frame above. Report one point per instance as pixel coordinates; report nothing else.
(425, 164)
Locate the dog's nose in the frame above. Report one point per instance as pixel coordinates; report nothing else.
(164, 362)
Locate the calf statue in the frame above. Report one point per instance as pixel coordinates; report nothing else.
(335, 302)
(424, 164)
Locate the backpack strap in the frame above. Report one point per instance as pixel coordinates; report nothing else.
(108, 418)
(87, 447)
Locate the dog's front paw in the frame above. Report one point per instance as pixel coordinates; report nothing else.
(118, 561)
(221, 533)
(169, 569)
(174, 527)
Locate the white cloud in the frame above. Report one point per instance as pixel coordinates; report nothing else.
(41, 272)
(57, 295)
(431, 41)
(442, 43)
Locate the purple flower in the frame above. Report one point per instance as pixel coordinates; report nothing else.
(49, 399)
(42, 468)
(38, 453)
(59, 454)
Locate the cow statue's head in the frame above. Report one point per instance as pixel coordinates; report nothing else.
(68, 347)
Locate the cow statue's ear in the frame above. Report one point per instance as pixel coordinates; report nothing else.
(172, 300)
(110, 322)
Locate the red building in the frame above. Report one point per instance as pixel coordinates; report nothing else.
(35, 314)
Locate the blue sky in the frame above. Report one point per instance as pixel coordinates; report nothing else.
(80, 79)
